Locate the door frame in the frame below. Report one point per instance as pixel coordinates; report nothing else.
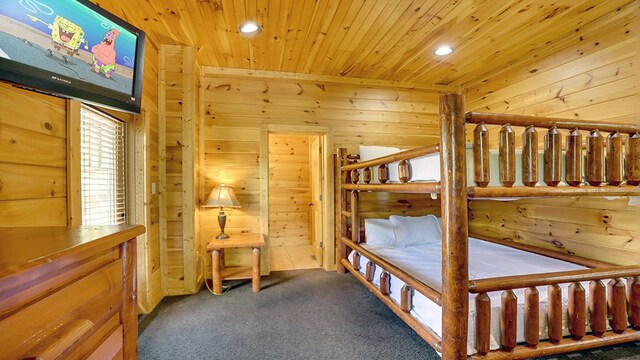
(326, 138)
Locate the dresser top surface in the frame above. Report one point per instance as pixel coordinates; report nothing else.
(22, 248)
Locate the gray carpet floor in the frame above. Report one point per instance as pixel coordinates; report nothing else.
(303, 314)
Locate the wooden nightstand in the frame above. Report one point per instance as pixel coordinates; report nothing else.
(220, 272)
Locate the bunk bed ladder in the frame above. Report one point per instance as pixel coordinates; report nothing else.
(349, 215)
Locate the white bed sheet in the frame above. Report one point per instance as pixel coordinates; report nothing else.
(424, 262)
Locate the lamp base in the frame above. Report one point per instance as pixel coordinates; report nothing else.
(222, 220)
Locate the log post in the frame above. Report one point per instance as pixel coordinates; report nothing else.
(383, 173)
(216, 278)
(406, 298)
(483, 323)
(531, 316)
(573, 159)
(370, 270)
(508, 320)
(341, 204)
(404, 172)
(455, 268)
(385, 283)
(634, 300)
(507, 155)
(597, 307)
(615, 173)
(530, 156)
(355, 216)
(577, 311)
(481, 173)
(255, 274)
(366, 175)
(633, 160)
(555, 313)
(617, 304)
(552, 157)
(595, 158)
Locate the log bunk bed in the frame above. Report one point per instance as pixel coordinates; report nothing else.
(603, 303)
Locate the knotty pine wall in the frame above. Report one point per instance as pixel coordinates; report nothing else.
(33, 158)
(150, 290)
(592, 74)
(179, 146)
(240, 107)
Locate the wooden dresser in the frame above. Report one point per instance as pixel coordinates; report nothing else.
(68, 292)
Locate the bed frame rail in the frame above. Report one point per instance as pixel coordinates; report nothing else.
(617, 302)
(350, 170)
(417, 285)
(547, 122)
(403, 310)
(402, 155)
(612, 165)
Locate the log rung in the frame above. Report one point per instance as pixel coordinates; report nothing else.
(406, 298)
(617, 304)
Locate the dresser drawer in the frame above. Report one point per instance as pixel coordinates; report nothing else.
(62, 320)
(30, 286)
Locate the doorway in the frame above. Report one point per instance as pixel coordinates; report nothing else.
(295, 201)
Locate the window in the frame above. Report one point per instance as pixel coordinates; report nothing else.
(102, 164)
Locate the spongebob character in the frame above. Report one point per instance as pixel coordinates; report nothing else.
(65, 36)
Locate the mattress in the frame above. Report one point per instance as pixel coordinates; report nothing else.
(424, 262)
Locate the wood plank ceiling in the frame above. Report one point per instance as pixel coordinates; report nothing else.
(376, 39)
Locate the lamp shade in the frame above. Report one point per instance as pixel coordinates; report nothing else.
(223, 197)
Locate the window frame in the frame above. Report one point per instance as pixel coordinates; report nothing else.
(74, 165)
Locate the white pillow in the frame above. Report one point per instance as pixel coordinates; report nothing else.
(416, 230)
(374, 152)
(379, 232)
(425, 167)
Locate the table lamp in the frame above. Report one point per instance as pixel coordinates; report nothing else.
(222, 197)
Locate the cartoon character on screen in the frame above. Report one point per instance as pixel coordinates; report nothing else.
(104, 54)
(66, 36)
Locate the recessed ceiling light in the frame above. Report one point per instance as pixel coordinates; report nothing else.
(443, 50)
(249, 28)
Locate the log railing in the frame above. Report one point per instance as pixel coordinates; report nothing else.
(355, 182)
(402, 155)
(618, 302)
(402, 310)
(546, 122)
(417, 285)
(609, 162)
(388, 274)
(410, 188)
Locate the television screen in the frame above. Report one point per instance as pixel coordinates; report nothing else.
(72, 48)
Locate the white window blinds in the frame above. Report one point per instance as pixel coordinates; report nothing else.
(102, 165)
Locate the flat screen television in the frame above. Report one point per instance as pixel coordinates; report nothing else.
(74, 49)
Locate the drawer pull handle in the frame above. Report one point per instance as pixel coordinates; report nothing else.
(60, 341)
